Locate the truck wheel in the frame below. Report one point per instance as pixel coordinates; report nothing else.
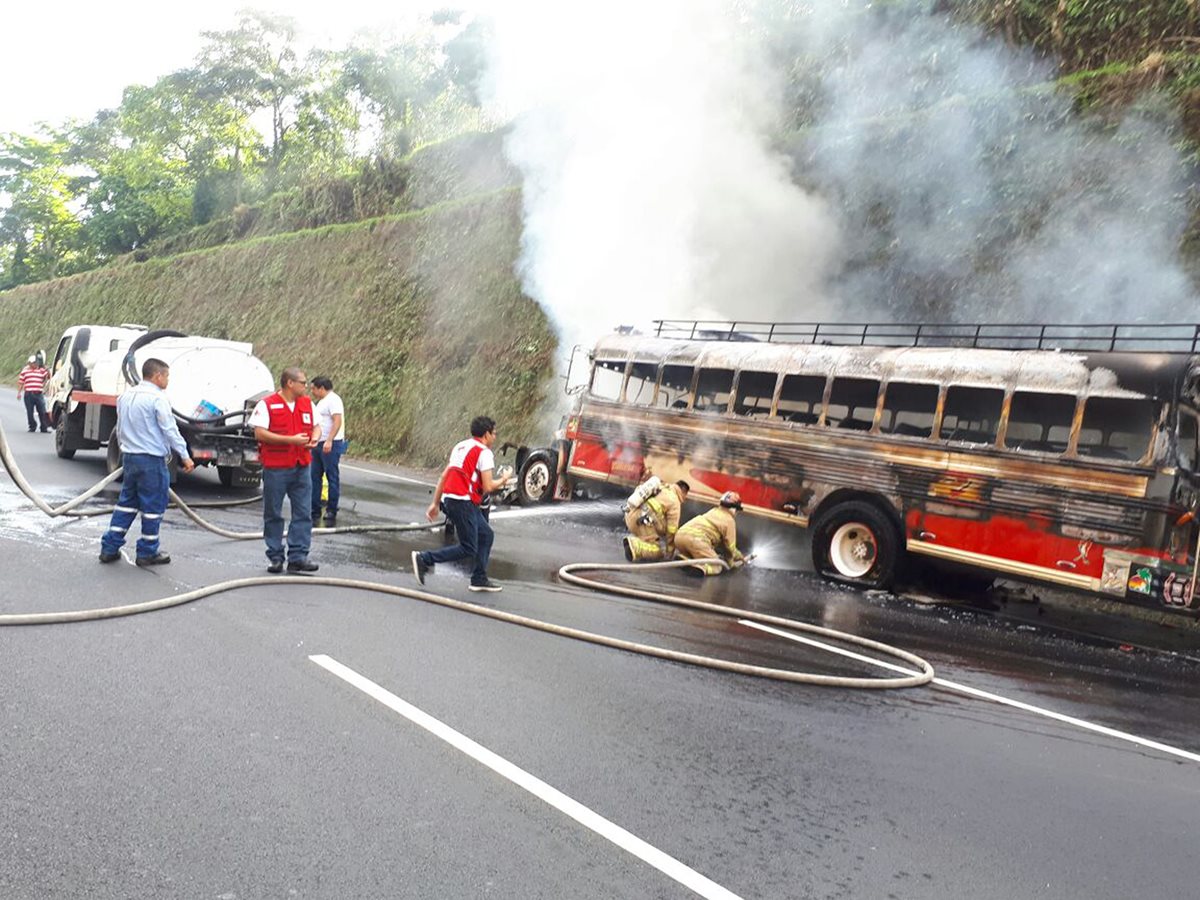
(113, 460)
(538, 474)
(856, 543)
(225, 474)
(68, 429)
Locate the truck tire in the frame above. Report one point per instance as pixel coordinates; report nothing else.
(856, 543)
(538, 475)
(112, 460)
(225, 475)
(68, 433)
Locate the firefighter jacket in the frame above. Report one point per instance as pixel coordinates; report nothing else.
(297, 420)
(718, 529)
(663, 509)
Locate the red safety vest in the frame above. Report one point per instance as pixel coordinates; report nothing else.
(297, 420)
(465, 479)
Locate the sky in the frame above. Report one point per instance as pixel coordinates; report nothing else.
(79, 60)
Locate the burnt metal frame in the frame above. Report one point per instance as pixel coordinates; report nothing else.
(1172, 337)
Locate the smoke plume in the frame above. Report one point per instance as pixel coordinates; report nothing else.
(829, 159)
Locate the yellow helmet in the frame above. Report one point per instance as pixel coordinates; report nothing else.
(731, 500)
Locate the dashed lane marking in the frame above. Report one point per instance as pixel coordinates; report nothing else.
(610, 831)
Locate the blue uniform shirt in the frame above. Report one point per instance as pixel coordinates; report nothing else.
(145, 423)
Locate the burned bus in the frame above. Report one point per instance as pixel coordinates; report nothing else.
(1003, 451)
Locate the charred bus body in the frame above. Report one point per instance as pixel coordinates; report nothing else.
(1073, 467)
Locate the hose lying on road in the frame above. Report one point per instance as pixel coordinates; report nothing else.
(566, 573)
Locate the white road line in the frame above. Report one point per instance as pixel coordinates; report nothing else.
(986, 695)
(388, 475)
(668, 865)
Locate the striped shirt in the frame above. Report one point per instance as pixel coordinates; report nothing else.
(32, 379)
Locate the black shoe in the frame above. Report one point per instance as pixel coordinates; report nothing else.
(488, 585)
(158, 559)
(275, 567)
(109, 557)
(45, 430)
(302, 565)
(419, 567)
(331, 521)
(32, 430)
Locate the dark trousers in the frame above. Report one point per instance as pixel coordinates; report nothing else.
(475, 538)
(329, 466)
(36, 401)
(144, 490)
(295, 484)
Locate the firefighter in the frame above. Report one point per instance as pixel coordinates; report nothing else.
(712, 534)
(654, 520)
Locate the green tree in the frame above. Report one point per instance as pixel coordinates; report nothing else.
(38, 227)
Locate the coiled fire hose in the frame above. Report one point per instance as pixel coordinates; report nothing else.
(924, 674)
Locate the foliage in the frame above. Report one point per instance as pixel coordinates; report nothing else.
(418, 318)
(185, 151)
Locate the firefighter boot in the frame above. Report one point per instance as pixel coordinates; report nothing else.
(638, 550)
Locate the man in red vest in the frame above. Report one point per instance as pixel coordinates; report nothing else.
(287, 431)
(459, 492)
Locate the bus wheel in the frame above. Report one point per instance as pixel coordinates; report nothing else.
(536, 483)
(856, 543)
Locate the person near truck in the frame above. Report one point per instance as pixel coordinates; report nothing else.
(286, 429)
(654, 522)
(148, 435)
(31, 382)
(327, 455)
(712, 535)
(459, 492)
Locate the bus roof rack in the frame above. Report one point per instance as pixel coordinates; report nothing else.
(1156, 338)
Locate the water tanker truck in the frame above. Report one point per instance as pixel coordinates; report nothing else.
(213, 388)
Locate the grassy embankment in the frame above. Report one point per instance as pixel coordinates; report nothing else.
(418, 317)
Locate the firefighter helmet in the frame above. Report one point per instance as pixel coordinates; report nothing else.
(731, 500)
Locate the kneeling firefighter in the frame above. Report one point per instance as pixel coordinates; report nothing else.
(652, 515)
(713, 534)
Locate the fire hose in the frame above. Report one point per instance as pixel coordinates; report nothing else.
(923, 675)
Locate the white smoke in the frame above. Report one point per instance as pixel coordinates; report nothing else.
(931, 173)
(651, 189)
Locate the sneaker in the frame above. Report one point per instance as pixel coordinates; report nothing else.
(419, 568)
(302, 565)
(109, 557)
(158, 559)
(275, 567)
(331, 521)
(488, 585)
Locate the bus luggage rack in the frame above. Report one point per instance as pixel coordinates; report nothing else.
(1158, 338)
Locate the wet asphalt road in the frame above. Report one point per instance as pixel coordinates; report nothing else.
(199, 752)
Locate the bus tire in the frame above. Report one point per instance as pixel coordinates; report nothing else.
(538, 475)
(112, 460)
(856, 543)
(68, 433)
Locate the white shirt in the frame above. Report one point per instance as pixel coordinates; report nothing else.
(261, 418)
(329, 406)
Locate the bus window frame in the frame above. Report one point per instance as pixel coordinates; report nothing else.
(629, 366)
(1156, 413)
(881, 404)
(1072, 429)
(1185, 410)
(691, 389)
(737, 386)
(596, 366)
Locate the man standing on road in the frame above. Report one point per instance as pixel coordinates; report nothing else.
(32, 383)
(148, 434)
(286, 431)
(326, 457)
(459, 492)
